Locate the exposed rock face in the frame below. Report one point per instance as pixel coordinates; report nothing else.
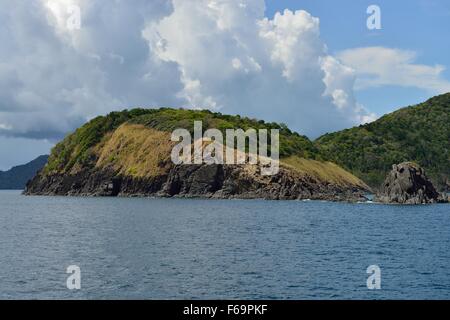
(408, 184)
(206, 181)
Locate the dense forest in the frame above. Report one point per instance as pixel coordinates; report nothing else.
(419, 133)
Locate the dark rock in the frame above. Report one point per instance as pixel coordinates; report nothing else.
(205, 181)
(111, 188)
(407, 183)
(447, 185)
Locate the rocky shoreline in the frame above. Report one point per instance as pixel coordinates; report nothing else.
(196, 181)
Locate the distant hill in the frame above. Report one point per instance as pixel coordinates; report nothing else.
(419, 133)
(17, 177)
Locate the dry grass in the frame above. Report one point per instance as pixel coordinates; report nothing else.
(324, 171)
(139, 151)
(135, 150)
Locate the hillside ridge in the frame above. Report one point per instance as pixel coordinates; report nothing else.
(17, 177)
(419, 133)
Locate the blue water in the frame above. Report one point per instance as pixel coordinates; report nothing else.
(220, 249)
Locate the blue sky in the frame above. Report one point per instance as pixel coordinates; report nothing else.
(317, 70)
(419, 25)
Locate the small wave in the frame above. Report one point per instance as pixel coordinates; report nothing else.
(365, 202)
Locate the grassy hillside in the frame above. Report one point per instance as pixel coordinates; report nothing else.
(137, 143)
(322, 170)
(76, 149)
(134, 150)
(418, 133)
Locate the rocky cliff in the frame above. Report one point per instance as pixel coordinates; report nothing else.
(128, 154)
(206, 181)
(407, 183)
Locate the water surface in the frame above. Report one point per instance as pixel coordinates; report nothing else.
(220, 249)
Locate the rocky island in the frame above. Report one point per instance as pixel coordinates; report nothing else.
(128, 154)
(407, 183)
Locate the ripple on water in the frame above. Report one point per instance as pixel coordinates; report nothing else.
(179, 248)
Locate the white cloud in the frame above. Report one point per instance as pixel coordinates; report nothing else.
(379, 66)
(340, 80)
(241, 62)
(203, 54)
(53, 79)
(294, 42)
(5, 127)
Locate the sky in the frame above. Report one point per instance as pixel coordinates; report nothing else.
(312, 64)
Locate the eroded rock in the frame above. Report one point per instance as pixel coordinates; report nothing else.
(407, 183)
(206, 181)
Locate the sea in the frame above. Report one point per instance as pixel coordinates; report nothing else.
(147, 248)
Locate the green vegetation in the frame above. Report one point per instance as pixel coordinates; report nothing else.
(418, 133)
(76, 147)
(291, 143)
(76, 150)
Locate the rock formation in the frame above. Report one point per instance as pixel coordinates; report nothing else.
(407, 183)
(16, 178)
(205, 181)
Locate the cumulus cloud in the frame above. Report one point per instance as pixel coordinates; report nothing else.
(222, 55)
(235, 60)
(53, 79)
(379, 66)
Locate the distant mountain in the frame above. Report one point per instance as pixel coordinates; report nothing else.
(419, 133)
(17, 177)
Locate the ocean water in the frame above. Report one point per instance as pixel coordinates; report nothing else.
(138, 248)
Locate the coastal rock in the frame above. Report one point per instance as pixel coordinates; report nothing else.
(204, 181)
(130, 154)
(407, 183)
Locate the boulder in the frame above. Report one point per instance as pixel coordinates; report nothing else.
(407, 183)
